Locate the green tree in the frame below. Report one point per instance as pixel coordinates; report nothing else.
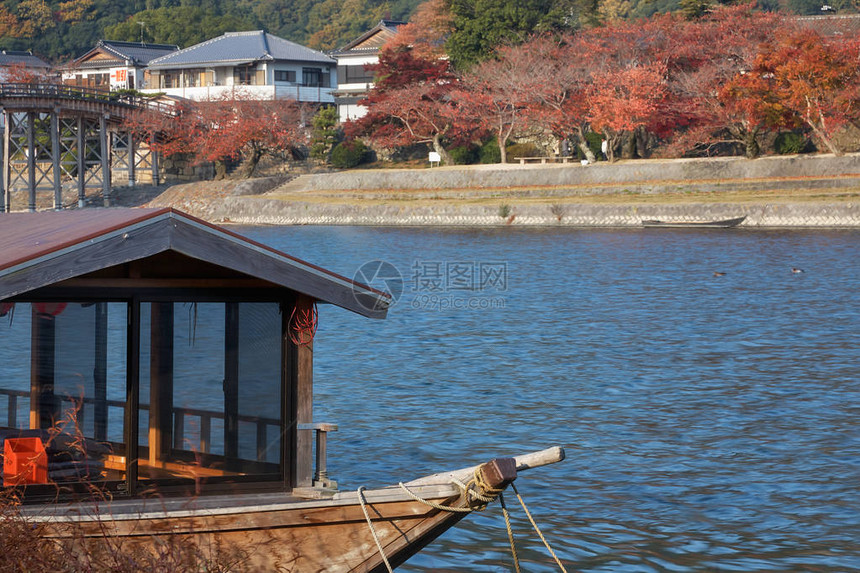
(169, 26)
(482, 25)
(339, 21)
(325, 134)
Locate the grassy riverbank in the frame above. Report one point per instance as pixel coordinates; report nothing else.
(772, 192)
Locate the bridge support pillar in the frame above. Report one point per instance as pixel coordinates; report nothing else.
(104, 144)
(31, 161)
(132, 159)
(4, 176)
(55, 160)
(81, 157)
(154, 161)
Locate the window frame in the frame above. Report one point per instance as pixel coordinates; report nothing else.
(132, 486)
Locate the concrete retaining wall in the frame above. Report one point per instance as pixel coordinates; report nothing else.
(254, 211)
(601, 173)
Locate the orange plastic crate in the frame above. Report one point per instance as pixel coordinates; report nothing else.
(25, 461)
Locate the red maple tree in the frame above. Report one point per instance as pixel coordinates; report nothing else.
(622, 100)
(715, 99)
(816, 78)
(227, 129)
(410, 102)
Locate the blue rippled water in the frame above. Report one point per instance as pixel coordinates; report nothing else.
(710, 422)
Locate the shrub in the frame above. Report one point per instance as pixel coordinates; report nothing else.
(490, 152)
(348, 154)
(463, 155)
(790, 142)
(518, 150)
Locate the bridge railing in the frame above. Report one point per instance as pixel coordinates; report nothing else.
(79, 93)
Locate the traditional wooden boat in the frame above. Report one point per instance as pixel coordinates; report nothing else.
(722, 224)
(158, 385)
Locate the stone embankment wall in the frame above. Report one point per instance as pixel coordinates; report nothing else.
(697, 174)
(554, 195)
(254, 211)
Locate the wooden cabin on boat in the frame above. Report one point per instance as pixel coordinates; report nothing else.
(145, 350)
(157, 385)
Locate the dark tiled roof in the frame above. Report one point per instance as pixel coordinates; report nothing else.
(26, 59)
(236, 47)
(137, 52)
(385, 29)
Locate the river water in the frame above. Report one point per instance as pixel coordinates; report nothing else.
(710, 422)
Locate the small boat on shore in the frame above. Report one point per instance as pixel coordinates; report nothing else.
(720, 224)
(157, 387)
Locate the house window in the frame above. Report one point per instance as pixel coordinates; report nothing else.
(243, 75)
(312, 77)
(354, 75)
(169, 80)
(193, 78)
(285, 76)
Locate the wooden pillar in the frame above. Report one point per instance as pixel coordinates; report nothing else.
(7, 166)
(161, 382)
(153, 154)
(304, 396)
(231, 383)
(132, 156)
(100, 409)
(104, 144)
(55, 159)
(132, 399)
(3, 176)
(81, 147)
(43, 407)
(31, 160)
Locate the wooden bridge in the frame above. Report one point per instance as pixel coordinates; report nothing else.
(58, 137)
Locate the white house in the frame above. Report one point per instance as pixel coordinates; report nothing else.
(114, 65)
(245, 64)
(353, 80)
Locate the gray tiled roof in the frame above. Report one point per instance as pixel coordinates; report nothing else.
(236, 47)
(26, 59)
(137, 52)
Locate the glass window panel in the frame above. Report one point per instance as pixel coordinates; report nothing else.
(210, 380)
(67, 363)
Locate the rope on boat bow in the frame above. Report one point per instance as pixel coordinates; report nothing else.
(363, 503)
(534, 524)
(478, 494)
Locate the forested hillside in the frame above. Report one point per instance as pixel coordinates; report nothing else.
(60, 30)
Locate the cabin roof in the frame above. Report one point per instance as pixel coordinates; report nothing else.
(46, 248)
